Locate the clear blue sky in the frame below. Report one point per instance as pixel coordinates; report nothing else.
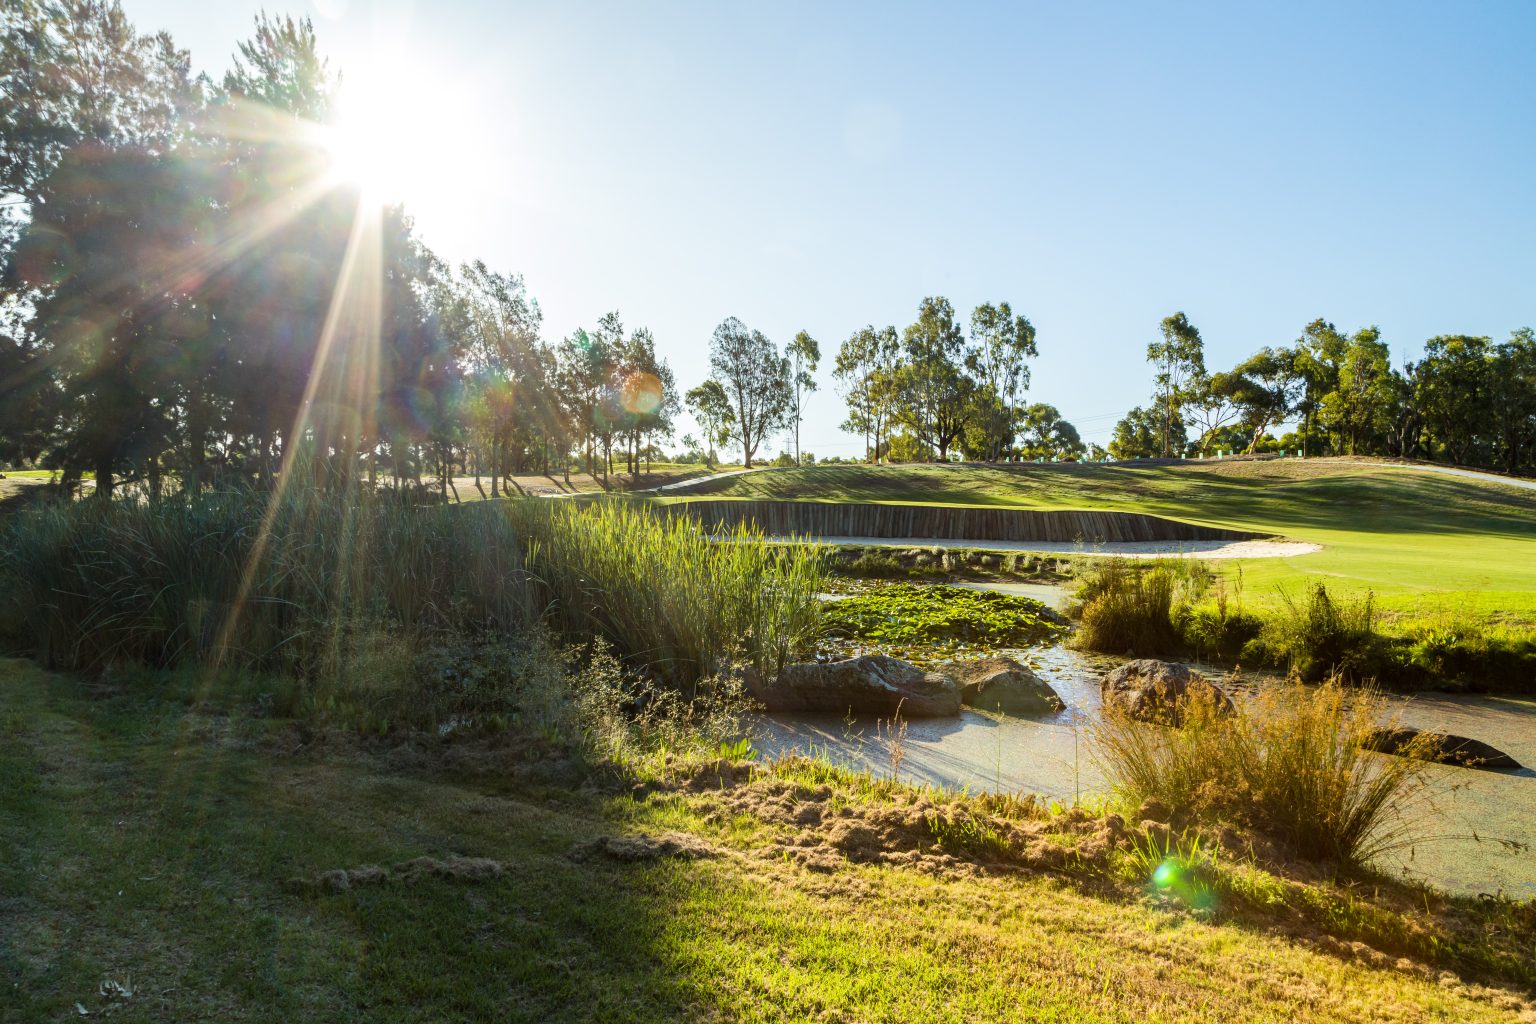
(824, 166)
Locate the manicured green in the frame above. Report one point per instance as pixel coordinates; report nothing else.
(1425, 543)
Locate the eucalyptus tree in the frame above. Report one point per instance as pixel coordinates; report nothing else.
(1043, 433)
(1318, 353)
(1265, 387)
(711, 406)
(1209, 407)
(1002, 345)
(934, 392)
(1179, 358)
(1512, 408)
(1358, 406)
(865, 372)
(757, 380)
(1455, 388)
(1140, 434)
(804, 353)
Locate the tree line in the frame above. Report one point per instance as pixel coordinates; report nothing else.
(1468, 400)
(182, 289)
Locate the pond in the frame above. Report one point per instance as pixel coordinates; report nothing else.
(1050, 756)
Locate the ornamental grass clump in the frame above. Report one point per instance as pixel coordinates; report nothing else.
(1291, 763)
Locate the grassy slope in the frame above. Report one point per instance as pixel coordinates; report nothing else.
(146, 843)
(1422, 541)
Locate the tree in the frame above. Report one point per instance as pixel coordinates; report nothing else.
(1454, 391)
(1318, 353)
(804, 353)
(115, 335)
(711, 406)
(1003, 344)
(933, 393)
(1209, 407)
(1264, 387)
(1044, 434)
(865, 372)
(1179, 357)
(757, 379)
(1513, 406)
(1140, 435)
(1358, 407)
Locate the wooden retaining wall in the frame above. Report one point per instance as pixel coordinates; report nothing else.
(840, 519)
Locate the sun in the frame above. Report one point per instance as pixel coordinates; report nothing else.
(396, 132)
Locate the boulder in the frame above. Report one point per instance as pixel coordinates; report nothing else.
(1157, 691)
(1002, 684)
(1442, 748)
(872, 684)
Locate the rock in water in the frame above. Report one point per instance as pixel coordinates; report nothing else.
(872, 684)
(1442, 748)
(1002, 684)
(1158, 691)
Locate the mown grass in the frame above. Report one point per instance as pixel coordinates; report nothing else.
(149, 842)
(1182, 609)
(1423, 542)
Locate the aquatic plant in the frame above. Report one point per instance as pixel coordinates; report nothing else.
(933, 622)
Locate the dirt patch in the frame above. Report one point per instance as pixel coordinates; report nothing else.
(450, 869)
(636, 848)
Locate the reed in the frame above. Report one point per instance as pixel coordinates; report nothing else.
(289, 583)
(1290, 763)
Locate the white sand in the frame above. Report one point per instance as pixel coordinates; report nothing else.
(1126, 549)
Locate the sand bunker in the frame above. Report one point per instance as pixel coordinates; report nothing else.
(1123, 549)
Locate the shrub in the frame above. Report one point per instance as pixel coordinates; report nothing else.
(1324, 637)
(1290, 763)
(1128, 608)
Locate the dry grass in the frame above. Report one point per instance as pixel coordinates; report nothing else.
(1290, 763)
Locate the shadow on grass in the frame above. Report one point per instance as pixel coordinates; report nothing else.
(156, 848)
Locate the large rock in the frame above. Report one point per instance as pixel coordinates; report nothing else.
(1442, 748)
(873, 684)
(1158, 691)
(1002, 684)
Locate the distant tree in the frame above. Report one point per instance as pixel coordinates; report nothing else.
(1209, 408)
(1002, 346)
(1454, 384)
(757, 379)
(1044, 434)
(711, 406)
(804, 353)
(1178, 357)
(1316, 358)
(934, 394)
(1140, 434)
(1358, 408)
(1265, 387)
(1513, 405)
(865, 372)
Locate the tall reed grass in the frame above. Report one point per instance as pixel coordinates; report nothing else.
(1291, 763)
(242, 579)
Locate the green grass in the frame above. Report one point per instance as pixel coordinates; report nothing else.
(1424, 542)
(148, 841)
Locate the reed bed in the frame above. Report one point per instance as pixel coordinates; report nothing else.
(284, 583)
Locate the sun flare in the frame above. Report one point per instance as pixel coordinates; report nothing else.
(396, 132)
